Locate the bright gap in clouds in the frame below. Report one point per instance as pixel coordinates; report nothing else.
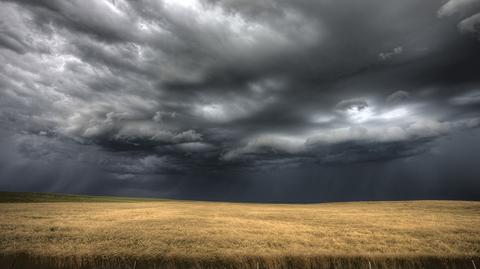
(360, 115)
(186, 4)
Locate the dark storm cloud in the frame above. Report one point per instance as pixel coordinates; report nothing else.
(150, 95)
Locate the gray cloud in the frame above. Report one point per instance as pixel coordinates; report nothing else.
(356, 104)
(389, 54)
(353, 144)
(398, 97)
(471, 25)
(149, 92)
(468, 11)
(468, 98)
(461, 8)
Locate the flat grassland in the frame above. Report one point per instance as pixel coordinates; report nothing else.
(131, 233)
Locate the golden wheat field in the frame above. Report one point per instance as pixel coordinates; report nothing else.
(187, 234)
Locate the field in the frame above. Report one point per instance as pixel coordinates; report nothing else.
(109, 232)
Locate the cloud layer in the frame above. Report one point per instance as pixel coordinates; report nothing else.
(168, 91)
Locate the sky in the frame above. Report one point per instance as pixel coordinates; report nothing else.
(242, 100)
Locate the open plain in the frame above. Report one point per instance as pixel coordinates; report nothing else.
(54, 231)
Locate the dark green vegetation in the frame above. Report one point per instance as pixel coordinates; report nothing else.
(42, 197)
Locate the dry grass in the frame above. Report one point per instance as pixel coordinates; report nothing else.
(217, 235)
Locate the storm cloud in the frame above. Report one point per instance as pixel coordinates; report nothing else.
(198, 98)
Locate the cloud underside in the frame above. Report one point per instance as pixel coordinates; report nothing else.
(164, 87)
